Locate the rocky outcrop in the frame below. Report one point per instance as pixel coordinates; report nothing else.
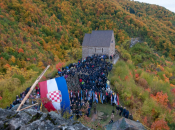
(126, 124)
(134, 41)
(30, 119)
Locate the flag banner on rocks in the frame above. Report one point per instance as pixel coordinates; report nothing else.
(54, 94)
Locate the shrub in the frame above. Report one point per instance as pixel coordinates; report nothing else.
(20, 77)
(148, 77)
(148, 105)
(142, 82)
(144, 95)
(126, 56)
(121, 70)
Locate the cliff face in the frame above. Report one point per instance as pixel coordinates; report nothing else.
(30, 119)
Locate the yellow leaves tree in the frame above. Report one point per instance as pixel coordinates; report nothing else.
(40, 64)
(13, 59)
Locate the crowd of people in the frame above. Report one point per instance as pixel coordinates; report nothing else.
(92, 72)
(89, 86)
(93, 86)
(19, 98)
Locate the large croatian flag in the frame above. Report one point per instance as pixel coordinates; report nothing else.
(56, 91)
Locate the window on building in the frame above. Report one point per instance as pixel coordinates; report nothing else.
(112, 41)
(95, 49)
(102, 50)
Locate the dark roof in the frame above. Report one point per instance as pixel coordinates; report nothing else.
(100, 38)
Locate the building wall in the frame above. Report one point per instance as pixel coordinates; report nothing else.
(89, 51)
(85, 52)
(98, 50)
(112, 45)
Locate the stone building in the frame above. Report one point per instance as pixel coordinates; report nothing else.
(98, 42)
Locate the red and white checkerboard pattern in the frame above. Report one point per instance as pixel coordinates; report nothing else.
(55, 96)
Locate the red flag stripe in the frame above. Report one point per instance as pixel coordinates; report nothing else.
(43, 91)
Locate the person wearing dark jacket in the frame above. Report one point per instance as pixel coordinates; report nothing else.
(121, 111)
(117, 108)
(94, 106)
(90, 102)
(124, 112)
(14, 102)
(131, 117)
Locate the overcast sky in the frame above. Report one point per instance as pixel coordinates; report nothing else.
(169, 4)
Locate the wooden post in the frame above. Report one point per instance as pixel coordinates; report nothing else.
(33, 86)
(29, 106)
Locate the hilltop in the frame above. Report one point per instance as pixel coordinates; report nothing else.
(35, 33)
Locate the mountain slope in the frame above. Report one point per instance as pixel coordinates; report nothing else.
(145, 82)
(35, 33)
(52, 27)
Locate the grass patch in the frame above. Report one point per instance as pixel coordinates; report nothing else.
(107, 110)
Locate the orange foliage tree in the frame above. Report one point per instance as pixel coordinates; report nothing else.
(59, 65)
(160, 125)
(161, 98)
(145, 121)
(20, 50)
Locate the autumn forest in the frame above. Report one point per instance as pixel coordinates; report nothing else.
(35, 33)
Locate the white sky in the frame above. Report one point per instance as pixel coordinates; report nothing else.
(169, 4)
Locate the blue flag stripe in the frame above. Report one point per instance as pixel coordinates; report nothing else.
(62, 86)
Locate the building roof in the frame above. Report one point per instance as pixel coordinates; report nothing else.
(100, 38)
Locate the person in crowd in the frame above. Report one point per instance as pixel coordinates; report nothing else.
(14, 102)
(121, 111)
(117, 109)
(95, 107)
(112, 118)
(124, 112)
(127, 114)
(85, 100)
(130, 116)
(17, 99)
(90, 102)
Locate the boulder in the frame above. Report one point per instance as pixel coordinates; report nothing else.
(100, 114)
(134, 41)
(126, 124)
(31, 119)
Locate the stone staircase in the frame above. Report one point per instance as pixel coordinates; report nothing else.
(114, 61)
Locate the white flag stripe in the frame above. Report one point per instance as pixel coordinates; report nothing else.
(52, 86)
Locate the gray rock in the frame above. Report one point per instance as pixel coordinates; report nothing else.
(31, 112)
(56, 118)
(16, 107)
(24, 116)
(30, 119)
(1, 125)
(134, 41)
(126, 124)
(100, 113)
(6, 114)
(15, 123)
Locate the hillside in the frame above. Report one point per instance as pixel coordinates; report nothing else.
(42, 32)
(35, 33)
(145, 82)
